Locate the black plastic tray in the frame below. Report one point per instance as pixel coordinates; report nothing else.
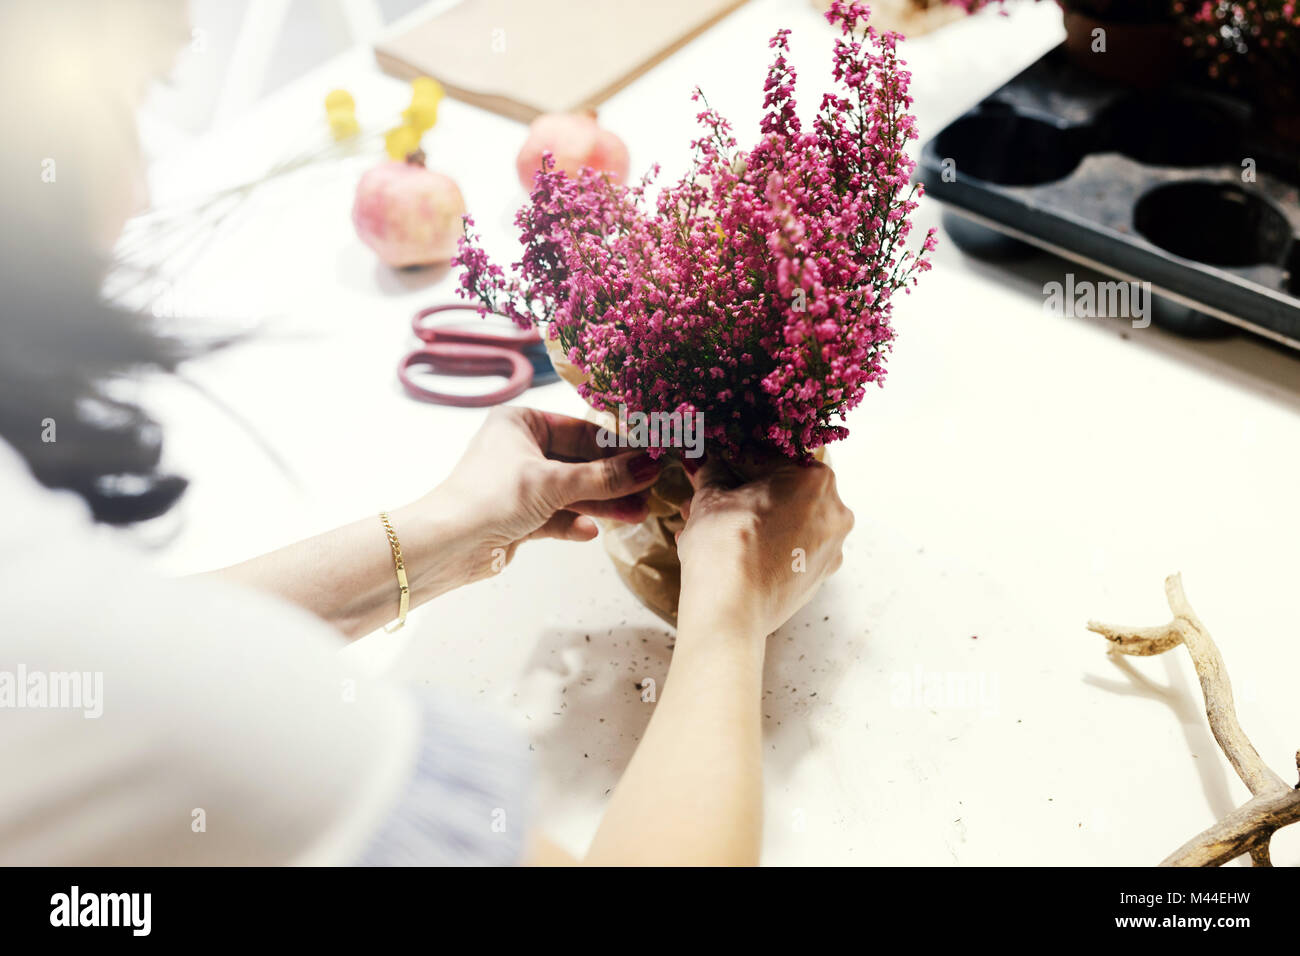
(1142, 186)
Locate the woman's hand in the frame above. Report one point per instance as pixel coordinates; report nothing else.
(526, 474)
(752, 553)
(757, 550)
(532, 474)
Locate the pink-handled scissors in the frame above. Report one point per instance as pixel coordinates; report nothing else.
(520, 356)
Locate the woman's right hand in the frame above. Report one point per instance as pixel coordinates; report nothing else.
(757, 550)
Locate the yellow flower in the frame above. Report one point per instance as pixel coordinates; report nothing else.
(340, 100)
(422, 114)
(401, 141)
(341, 111)
(426, 88)
(343, 124)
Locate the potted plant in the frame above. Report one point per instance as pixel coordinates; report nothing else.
(753, 296)
(1252, 48)
(1134, 42)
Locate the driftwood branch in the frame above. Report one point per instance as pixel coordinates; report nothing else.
(1273, 803)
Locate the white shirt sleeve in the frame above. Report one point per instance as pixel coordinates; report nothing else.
(146, 721)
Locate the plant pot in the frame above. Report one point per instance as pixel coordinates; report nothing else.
(1285, 124)
(1139, 54)
(645, 554)
(1277, 100)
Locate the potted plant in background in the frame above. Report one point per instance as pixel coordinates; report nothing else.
(1134, 42)
(1252, 48)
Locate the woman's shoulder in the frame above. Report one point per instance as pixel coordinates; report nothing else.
(223, 705)
(220, 703)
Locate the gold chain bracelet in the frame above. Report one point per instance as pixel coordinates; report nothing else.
(404, 602)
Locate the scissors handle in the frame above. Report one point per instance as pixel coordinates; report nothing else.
(517, 340)
(460, 359)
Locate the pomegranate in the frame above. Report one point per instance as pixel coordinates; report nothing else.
(409, 215)
(574, 140)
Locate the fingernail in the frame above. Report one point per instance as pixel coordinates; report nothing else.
(643, 467)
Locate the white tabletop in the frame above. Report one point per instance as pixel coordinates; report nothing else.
(940, 701)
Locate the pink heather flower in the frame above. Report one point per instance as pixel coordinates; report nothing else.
(757, 289)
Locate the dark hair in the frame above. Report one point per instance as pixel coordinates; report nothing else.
(61, 349)
(74, 70)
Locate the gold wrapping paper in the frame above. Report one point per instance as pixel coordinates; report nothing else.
(645, 554)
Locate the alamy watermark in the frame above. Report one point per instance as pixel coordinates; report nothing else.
(656, 430)
(945, 690)
(76, 908)
(22, 689)
(1086, 299)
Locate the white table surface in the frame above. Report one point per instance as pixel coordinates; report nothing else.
(1019, 474)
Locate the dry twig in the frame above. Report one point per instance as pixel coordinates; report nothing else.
(1273, 803)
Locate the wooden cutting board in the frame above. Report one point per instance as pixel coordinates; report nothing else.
(523, 58)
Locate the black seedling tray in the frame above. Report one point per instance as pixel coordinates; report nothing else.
(1145, 186)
